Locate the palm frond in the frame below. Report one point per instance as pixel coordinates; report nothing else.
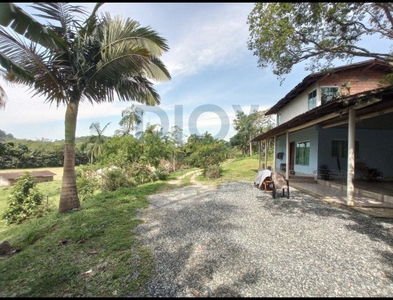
(91, 22)
(25, 25)
(135, 88)
(117, 30)
(13, 68)
(65, 14)
(36, 62)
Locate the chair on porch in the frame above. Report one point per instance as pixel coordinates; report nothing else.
(368, 174)
(279, 182)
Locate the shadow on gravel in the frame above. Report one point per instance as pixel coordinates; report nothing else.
(201, 224)
(299, 204)
(183, 269)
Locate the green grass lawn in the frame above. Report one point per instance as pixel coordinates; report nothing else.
(239, 169)
(92, 252)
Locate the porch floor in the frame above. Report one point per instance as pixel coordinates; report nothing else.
(375, 198)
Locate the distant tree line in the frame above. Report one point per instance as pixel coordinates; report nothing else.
(21, 154)
(5, 136)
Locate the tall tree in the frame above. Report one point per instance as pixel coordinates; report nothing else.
(283, 34)
(104, 57)
(248, 126)
(96, 140)
(130, 117)
(174, 142)
(152, 144)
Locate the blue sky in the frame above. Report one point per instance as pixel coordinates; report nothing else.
(213, 74)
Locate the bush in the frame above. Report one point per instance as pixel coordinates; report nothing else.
(24, 201)
(86, 183)
(142, 173)
(115, 178)
(212, 172)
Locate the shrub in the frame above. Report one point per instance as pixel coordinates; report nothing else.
(24, 201)
(212, 172)
(161, 173)
(115, 178)
(86, 183)
(142, 173)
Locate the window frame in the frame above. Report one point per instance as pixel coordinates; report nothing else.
(313, 98)
(302, 157)
(342, 148)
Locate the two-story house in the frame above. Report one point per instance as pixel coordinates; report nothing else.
(338, 120)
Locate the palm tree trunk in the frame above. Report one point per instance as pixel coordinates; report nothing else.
(69, 195)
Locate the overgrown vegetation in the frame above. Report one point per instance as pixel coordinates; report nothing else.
(25, 201)
(93, 252)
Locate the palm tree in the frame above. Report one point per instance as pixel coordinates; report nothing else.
(130, 117)
(26, 25)
(96, 140)
(105, 57)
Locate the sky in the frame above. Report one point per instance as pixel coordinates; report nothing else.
(213, 74)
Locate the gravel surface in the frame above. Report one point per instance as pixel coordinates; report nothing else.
(237, 241)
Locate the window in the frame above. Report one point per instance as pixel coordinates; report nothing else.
(328, 93)
(303, 153)
(312, 99)
(340, 148)
(278, 119)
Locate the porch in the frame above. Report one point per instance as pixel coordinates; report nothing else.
(377, 196)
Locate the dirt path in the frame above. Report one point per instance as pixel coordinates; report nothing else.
(193, 174)
(177, 183)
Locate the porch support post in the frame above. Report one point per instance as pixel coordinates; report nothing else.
(259, 155)
(351, 158)
(266, 154)
(287, 156)
(274, 153)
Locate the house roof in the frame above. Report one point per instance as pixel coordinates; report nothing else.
(374, 64)
(373, 102)
(15, 175)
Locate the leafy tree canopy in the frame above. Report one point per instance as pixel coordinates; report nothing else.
(4, 135)
(283, 34)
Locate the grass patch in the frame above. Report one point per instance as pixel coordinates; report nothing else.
(92, 252)
(242, 168)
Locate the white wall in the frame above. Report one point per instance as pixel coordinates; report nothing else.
(299, 105)
(309, 134)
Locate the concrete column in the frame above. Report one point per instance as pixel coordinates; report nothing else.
(287, 156)
(351, 158)
(274, 154)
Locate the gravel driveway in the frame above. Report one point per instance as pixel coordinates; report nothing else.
(237, 241)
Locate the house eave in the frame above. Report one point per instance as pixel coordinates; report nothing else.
(315, 77)
(331, 110)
